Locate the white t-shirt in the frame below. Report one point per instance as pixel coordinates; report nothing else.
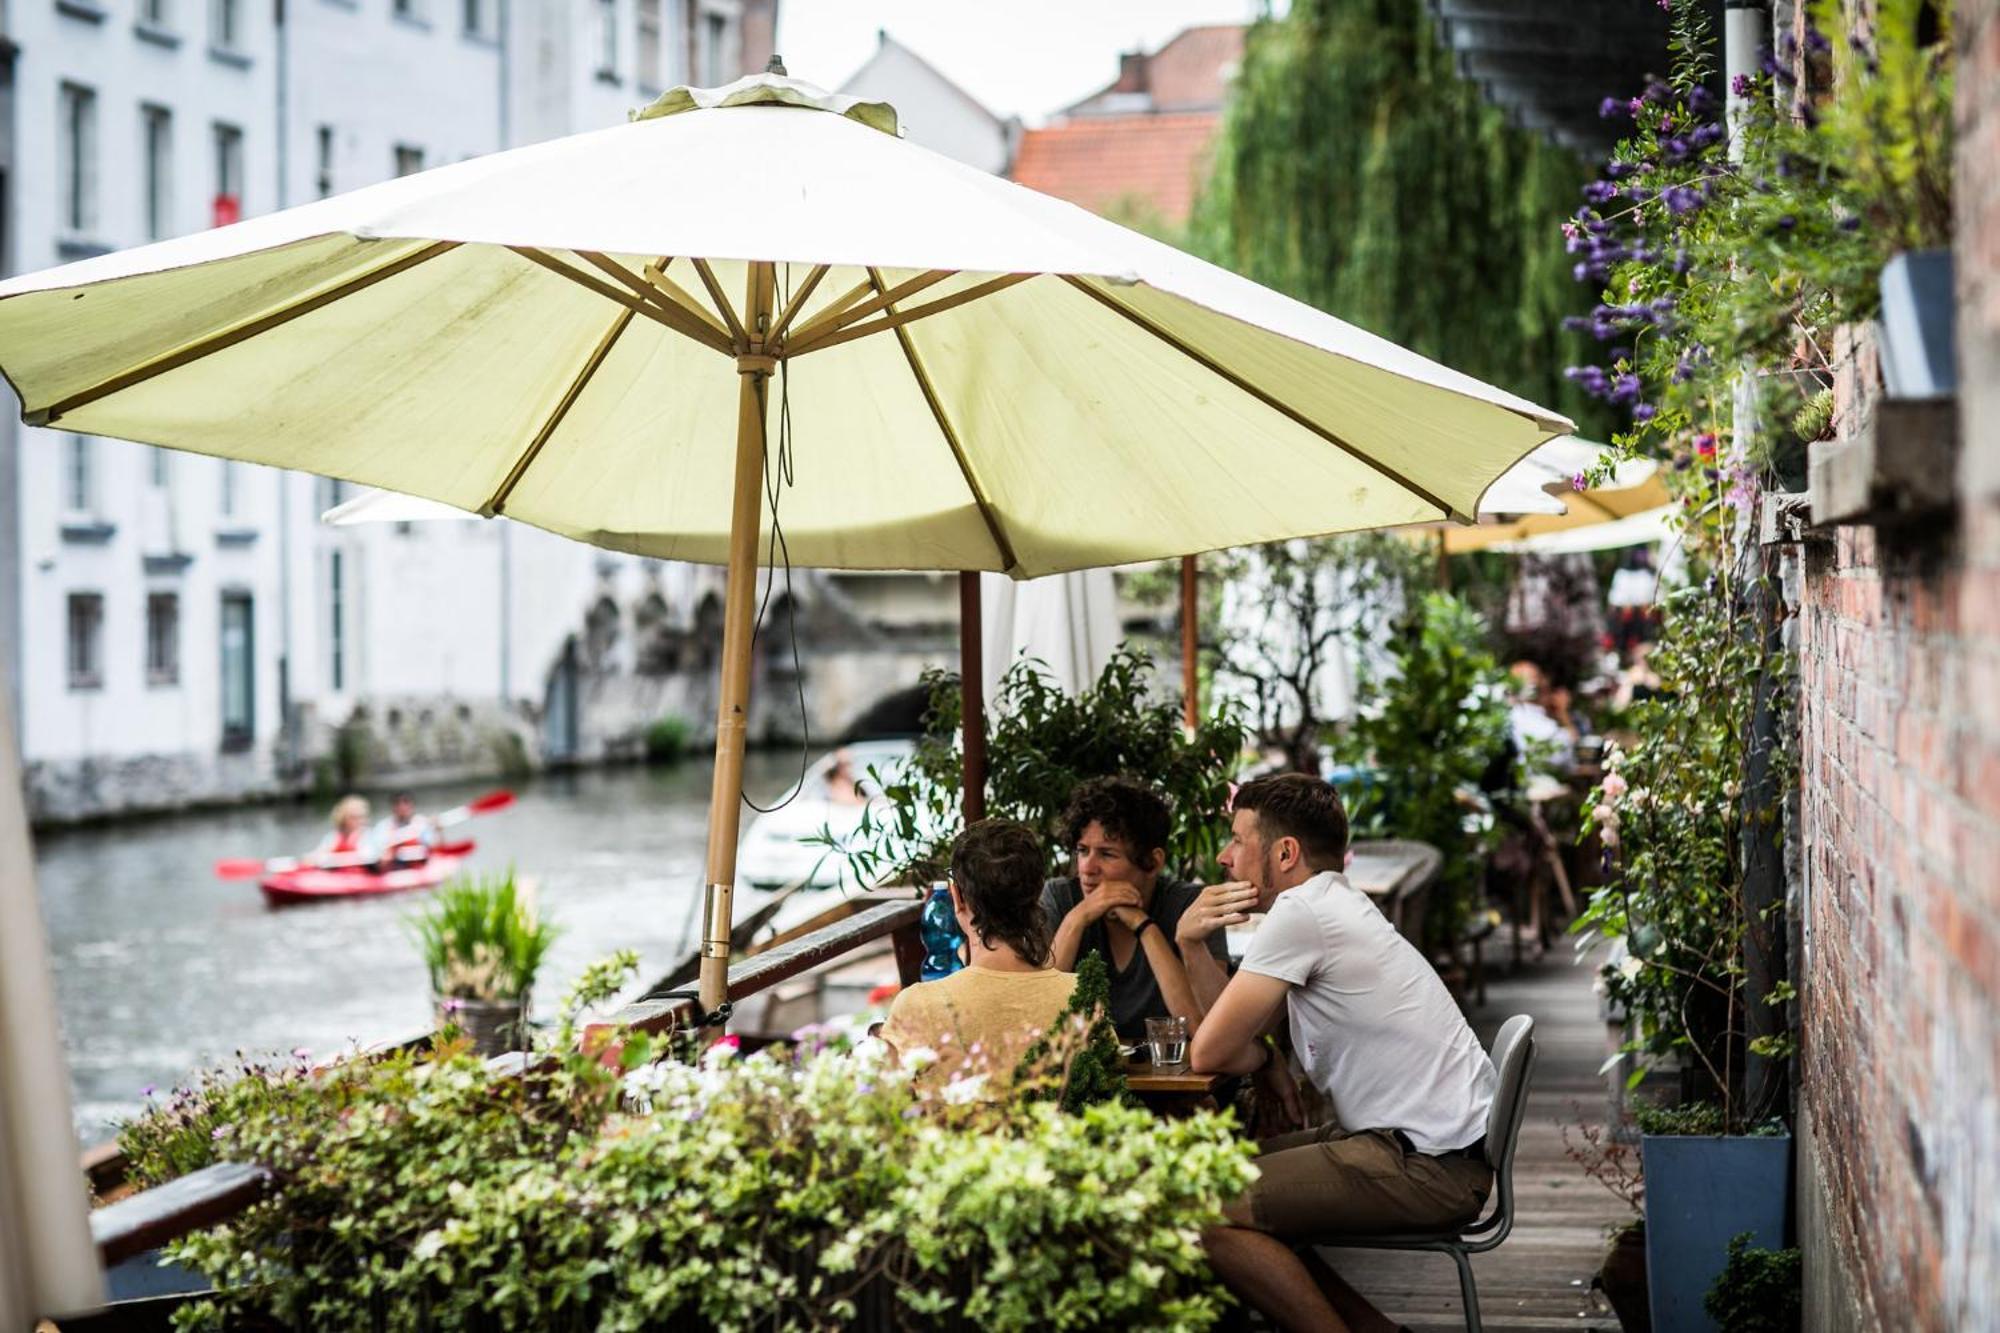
(1374, 1026)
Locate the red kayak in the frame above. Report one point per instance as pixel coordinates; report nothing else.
(311, 884)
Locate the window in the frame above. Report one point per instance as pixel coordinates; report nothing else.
(332, 490)
(78, 157)
(336, 622)
(226, 23)
(227, 501)
(86, 641)
(159, 13)
(324, 153)
(648, 71)
(239, 682)
(409, 9)
(478, 18)
(409, 159)
(607, 39)
(157, 125)
(163, 638)
(79, 478)
(713, 29)
(228, 174)
(162, 470)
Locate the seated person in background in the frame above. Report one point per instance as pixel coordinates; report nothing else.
(403, 834)
(1009, 994)
(1162, 938)
(843, 787)
(349, 843)
(1378, 1035)
(1539, 734)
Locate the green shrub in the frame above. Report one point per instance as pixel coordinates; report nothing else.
(1094, 1069)
(762, 1192)
(1760, 1291)
(667, 740)
(1042, 743)
(1437, 718)
(481, 939)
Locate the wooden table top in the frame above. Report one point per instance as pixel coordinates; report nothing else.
(1143, 1077)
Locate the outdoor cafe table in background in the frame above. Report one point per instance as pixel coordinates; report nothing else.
(1397, 874)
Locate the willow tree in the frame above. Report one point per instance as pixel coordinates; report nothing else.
(1357, 172)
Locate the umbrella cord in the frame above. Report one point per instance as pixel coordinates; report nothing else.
(774, 488)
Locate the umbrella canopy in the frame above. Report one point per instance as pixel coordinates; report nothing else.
(1595, 506)
(1540, 483)
(598, 335)
(983, 377)
(389, 507)
(1644, 528)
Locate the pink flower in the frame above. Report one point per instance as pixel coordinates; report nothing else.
(1577, 482)
(1614, 786)
(1609, 837)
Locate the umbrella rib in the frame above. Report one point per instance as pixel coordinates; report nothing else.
(656, 274)
(230, 337)
(645, 290)
(985, 506)
(899, 318)
(1291, 414)
(498, 502)
(792, 306)
(833, 321)
(736, 334)
(638, 305)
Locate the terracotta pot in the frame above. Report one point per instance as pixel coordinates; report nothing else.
(1622, 1279)
(495, 1027)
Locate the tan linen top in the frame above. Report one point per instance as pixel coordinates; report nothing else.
(999, 1013)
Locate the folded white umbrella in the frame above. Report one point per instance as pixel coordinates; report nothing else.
(596, 336)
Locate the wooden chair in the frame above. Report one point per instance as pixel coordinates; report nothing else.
(1513, 1058)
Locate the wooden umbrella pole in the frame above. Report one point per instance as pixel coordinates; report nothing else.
(732, 707)
(1190, 627)
(972, 700)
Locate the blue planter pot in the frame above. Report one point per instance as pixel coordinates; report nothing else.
(1919, 310)
(1701, 1192)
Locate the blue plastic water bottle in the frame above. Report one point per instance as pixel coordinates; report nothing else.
(942, 937)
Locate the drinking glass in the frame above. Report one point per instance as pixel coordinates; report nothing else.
(1168, 1038)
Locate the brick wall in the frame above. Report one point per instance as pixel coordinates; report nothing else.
(1899, 973)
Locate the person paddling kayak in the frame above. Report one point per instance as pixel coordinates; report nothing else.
(403, 835)
(349, 843)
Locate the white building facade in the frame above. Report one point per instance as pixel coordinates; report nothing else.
(179, 629)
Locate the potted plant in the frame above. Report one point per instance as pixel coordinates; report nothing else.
(483, 945)
(1608, 1159)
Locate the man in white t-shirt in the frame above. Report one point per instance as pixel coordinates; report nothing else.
(1377, 1034)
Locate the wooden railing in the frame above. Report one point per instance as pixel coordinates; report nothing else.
(149, 1219)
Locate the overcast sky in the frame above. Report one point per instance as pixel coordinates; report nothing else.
(1019, 57)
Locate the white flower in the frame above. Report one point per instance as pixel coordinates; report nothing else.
(964, 1091)
(1605, 816)
(1610, 839)
(1630, 967)
(429, 1246)
(919, 1057)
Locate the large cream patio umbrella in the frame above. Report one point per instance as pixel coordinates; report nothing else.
(598, 335)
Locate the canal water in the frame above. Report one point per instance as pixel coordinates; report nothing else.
(162, 970)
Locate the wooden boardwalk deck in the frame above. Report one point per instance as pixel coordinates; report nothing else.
(1539, 1278)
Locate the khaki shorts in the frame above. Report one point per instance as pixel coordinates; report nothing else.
(1330, 1181)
